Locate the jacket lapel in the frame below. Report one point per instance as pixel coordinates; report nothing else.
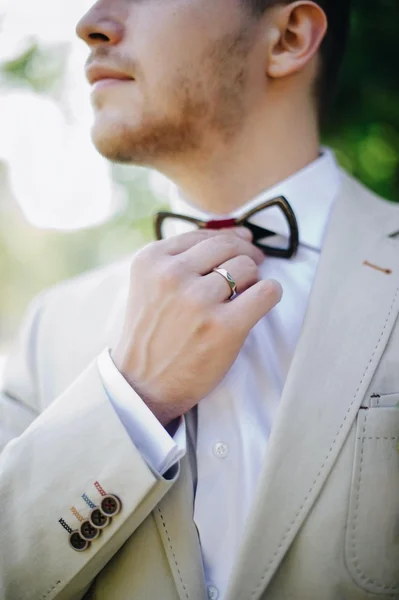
(351, 312)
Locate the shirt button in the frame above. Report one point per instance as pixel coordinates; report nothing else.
(213, 592)
(221, 450)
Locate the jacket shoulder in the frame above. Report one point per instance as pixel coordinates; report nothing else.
(383, 212)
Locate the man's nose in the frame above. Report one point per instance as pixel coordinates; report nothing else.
(95, 29)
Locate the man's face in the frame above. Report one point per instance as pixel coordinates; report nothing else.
(193, 80)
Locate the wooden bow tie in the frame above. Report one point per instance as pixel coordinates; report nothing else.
(259, 233)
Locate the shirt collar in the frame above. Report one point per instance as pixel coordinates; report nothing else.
(310, 192)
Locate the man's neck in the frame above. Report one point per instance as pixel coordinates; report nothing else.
(265, 152)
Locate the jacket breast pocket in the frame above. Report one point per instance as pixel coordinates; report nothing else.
(372, 535)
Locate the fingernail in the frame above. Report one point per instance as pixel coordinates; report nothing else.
(278, 287)
(244, 232)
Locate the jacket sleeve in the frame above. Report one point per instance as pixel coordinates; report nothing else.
(58, 465)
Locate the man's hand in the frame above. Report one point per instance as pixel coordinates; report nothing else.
(181, 334)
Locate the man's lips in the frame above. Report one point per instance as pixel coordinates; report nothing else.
(96, 73)
(109, 82)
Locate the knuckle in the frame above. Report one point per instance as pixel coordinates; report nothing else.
(199, 233)
(145, 254)
(205, 233)
(171, 274)
(139, 262)
(248, 264)
(174, 244)
(188, 235)
(228, 242)
(178, 264)
(246, 267)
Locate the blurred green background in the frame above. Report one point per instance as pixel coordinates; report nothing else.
(363, 130)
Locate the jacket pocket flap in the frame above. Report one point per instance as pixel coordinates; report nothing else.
(381, 400)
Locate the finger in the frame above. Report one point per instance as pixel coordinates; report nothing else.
(212, 252)
(250, 307)
(214, 287)
(180, 243)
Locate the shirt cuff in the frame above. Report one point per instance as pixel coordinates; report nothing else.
(157, 447)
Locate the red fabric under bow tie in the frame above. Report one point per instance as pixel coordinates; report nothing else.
(287, 248)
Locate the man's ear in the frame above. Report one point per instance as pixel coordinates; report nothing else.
(295, 35)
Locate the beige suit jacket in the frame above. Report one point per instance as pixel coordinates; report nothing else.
(325, 522)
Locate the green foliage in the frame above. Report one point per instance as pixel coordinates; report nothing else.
(364, 128)
(38, 68)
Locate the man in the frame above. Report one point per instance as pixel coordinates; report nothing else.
(177, 437)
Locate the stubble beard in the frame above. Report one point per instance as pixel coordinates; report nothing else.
(206, 103)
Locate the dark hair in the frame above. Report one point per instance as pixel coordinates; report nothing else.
(333, 47)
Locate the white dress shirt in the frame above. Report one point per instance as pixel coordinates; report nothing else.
(235, 419)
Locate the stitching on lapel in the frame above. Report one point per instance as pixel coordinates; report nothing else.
(171, 549)
(286, 533)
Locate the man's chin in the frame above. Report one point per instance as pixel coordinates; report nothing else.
(114, 144)
(145, 143)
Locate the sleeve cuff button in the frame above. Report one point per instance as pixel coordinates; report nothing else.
(98, 519)
(77, 542)
(88, 531)
(110, 505)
